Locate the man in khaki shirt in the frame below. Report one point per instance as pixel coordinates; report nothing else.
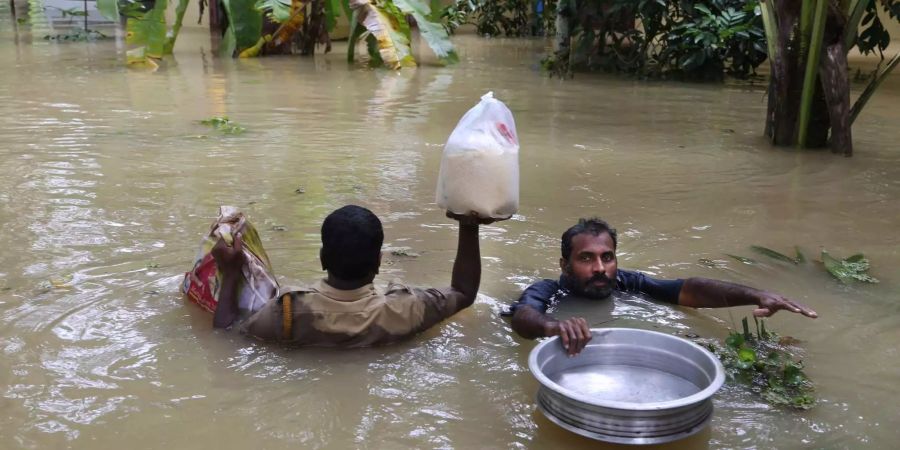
(345, 309)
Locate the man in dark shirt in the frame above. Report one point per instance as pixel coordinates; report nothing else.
(589, 269)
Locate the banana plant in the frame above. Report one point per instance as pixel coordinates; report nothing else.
(809, 90)
(145, 29)
(383, 25)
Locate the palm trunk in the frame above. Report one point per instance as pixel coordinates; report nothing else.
(836, 82)
(786, 87)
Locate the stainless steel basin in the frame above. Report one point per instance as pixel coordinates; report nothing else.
(628, 386)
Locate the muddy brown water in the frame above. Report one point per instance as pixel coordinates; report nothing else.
(107, 182)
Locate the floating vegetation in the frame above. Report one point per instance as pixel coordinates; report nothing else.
(762, 362)
(742, 259)
(776, 255)
(853, 268)
(77, 35)
(404, 253)
(224, 124)
(848, 269)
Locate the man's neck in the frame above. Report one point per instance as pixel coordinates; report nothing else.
(347, 285)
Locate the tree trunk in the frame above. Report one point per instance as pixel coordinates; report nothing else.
(835, 80)
(831, 98)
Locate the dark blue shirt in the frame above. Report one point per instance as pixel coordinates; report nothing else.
(546, 293)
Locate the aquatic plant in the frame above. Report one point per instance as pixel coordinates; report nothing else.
(224, 124)
(848, 269)
(762, 362)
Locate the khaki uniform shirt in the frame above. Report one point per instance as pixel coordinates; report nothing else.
(324, 316)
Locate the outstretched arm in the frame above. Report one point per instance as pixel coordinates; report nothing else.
(707, 293)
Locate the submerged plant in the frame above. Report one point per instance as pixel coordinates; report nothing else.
(762, 362)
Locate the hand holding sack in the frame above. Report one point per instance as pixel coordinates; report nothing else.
(480, 166)
(258, 285)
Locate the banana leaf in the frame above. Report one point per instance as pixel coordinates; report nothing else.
(244, 26)
(277, 10)
(332, 12)
(176, 28)
(810, 78)
(148, 31)
(432, 32)
(137, 57)
(283, 34)
(356, 31)
(109, 9)
(387, 25)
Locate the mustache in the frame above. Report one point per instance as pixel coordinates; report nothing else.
(598, 277)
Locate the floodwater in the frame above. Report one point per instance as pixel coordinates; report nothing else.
(108, 181)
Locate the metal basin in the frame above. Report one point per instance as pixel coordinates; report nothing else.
(628, 386)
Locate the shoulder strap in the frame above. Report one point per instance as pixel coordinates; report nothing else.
(287, 316)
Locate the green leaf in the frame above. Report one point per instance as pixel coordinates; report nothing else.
(228, 45)
(810, 77)
(742, 259)
(223, 124)
(389, 30)
(747, 355)
(332, 12)
(799, 255)
(244, 21)
(432, 32)
(109, 9)
(734, 340)
(149, 30)
(773, 254)
(176, 28)
(278, 10)
(848, 269)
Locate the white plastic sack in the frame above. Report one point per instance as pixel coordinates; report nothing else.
(480, 166)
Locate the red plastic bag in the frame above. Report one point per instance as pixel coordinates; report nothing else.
(258, 285)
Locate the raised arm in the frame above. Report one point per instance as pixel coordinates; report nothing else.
(229, 260)
(466, 276)
(707, 293)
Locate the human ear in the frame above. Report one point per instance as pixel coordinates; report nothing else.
(322, 258)
(564, 265)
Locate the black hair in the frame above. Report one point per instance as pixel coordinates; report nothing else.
(593, 225)
(351, 242)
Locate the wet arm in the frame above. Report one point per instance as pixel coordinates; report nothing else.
(227, 308)
(707, 293)
(530, 323)
(229, 260)
(467, 266)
